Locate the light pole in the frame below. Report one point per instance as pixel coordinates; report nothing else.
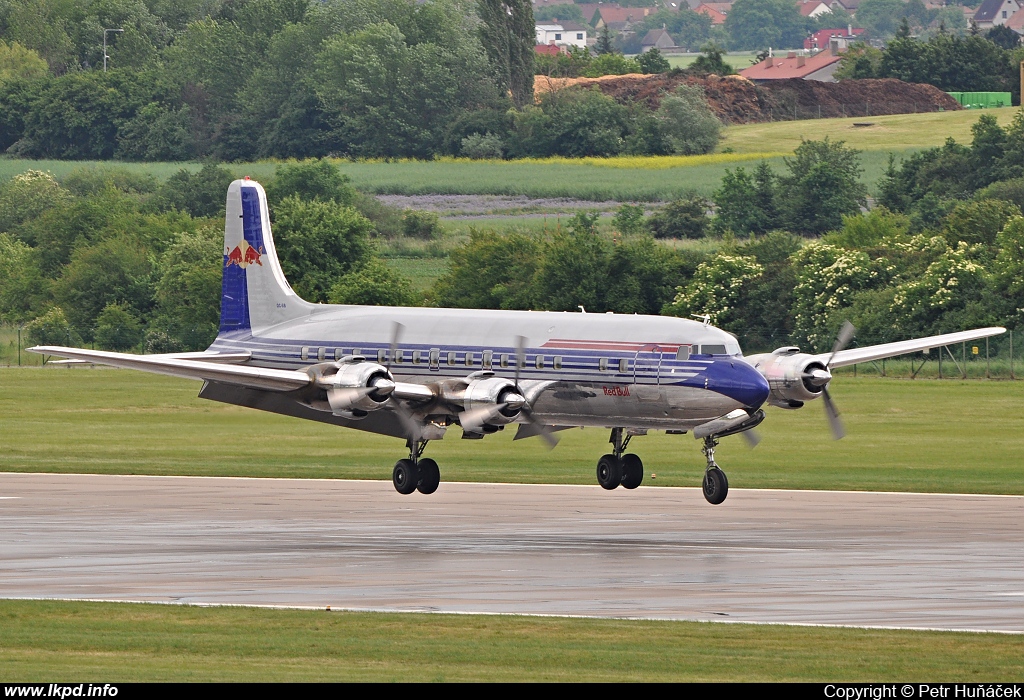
(105, 56)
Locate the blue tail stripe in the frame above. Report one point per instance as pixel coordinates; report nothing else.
(234, 304)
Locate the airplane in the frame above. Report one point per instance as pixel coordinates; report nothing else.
(412, 373)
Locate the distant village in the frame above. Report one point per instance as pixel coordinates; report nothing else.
(818, 58)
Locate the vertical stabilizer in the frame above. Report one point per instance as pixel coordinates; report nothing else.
(255, 294)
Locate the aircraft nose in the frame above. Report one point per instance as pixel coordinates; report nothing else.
(744, 384)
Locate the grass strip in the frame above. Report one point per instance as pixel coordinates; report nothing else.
(947, 436)
(108, 642)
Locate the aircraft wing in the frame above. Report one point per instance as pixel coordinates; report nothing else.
(903, 347)
(255, 377)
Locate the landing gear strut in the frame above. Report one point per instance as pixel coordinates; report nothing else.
(716, 486)
(617, 468)
(416, 473)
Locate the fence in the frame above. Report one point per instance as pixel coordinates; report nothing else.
(999, 357)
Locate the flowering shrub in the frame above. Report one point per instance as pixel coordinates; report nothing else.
(717, 288)
(953, 281)
(827, 279)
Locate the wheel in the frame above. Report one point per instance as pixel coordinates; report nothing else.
(430, 476)
(405, 476)
(716, 486)
(632, 471)
(609, 472)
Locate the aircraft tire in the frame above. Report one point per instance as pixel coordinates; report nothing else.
(716, 486)
(405, 476)
(609, 472)
(632, 471)
(430, 476)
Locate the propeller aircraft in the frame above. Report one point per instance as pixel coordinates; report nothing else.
(412, 373)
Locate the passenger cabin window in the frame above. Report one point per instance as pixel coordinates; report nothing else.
(504, 360)
(321, 353)
(357, 351)
(415, 357)
(304, 353)
(557, 364)
(539, 362)
(712, 349)
(451, 358)
(602, 364)
(338, 354)
(683, 353)
(487, 359)
(382, 356)
(469, 359)
(399, 356)
(435, 357)
(623, 365)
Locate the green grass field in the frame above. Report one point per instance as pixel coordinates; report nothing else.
(650, 181)
(948, 436)
(738, 60)
(111, 643)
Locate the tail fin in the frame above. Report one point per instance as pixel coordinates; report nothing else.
(255, 294)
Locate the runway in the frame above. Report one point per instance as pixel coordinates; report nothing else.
(800, 557)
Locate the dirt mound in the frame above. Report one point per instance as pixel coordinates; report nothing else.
(736, 100)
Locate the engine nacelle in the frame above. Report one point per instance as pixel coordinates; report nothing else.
(354, 388)
(793, 377)
(492, 391)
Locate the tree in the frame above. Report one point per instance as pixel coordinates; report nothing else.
(318, 242)
(710, 61)
(717, 289)
(373, 284)
(27, 195)
(490, 271)
(200, 194)
(604, 42)
(882, 18)
(759, 24)
(573, 123)
(188, 288)
(22, 286)
(508, 37)
(52, 328)
(822, 184)
(117, 328)
(651, 61)
(574, 270)
(978, 222)
(683, 218)
(644, 274)
(1003, 37)
(309, 180)
(19, 63)
(629, 219)
(687, 121)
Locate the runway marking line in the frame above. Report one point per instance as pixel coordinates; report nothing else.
(389, 611)
(501, 483)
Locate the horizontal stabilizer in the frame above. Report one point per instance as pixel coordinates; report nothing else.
(904, 347)
(255, 377)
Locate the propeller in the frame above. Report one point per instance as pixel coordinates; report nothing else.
(823, 377)
(396, 334)
(544, 430)
(342, 399)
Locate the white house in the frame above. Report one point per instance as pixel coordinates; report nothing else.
(992, 13)
(562, 34)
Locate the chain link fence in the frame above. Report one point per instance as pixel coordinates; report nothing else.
(848, 109)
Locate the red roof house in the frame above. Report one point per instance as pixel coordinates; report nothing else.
(820, 66)
(717, 16)
(822, 38)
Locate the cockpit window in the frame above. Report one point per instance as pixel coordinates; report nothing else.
(712, 349)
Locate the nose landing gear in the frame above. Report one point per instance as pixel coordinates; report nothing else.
(716, 486)
(617, 468)
(415, 473)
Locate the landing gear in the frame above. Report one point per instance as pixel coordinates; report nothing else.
(415, 473)
(617, 468)
(716, 486)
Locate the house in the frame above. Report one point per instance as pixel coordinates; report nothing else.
(848, 5)
(618, 18)
(548, 49)
(561, 34)
(717, 16)
(1016, 22)
(992, 13)
(820, 66)
(821, 39)
(814, 8)
(657, 39)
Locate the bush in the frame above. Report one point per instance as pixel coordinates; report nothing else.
(481, 146)
(157, 133)
(687, 121)
(373, 284)
(200, 194)
(158, 342)
(28, 195)
(309, 180)
(1006, 190)
(117, 328)
(978, 222)
(629, 219)
(651, 61)
(52, 328)
(421, 224)
(573, 123)
(683, 218)
(93, 179)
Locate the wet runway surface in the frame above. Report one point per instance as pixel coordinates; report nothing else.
(889, 560)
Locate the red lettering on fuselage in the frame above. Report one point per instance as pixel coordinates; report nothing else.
(616, 390)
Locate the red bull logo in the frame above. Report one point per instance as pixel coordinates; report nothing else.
(244, 255)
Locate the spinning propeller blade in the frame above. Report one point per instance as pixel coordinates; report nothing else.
(544, 431)
(846, 334)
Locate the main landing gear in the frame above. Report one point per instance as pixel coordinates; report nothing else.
(716, 486)
(416, 473)
(617, 468)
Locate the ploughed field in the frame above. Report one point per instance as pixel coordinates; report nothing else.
(949, 436)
